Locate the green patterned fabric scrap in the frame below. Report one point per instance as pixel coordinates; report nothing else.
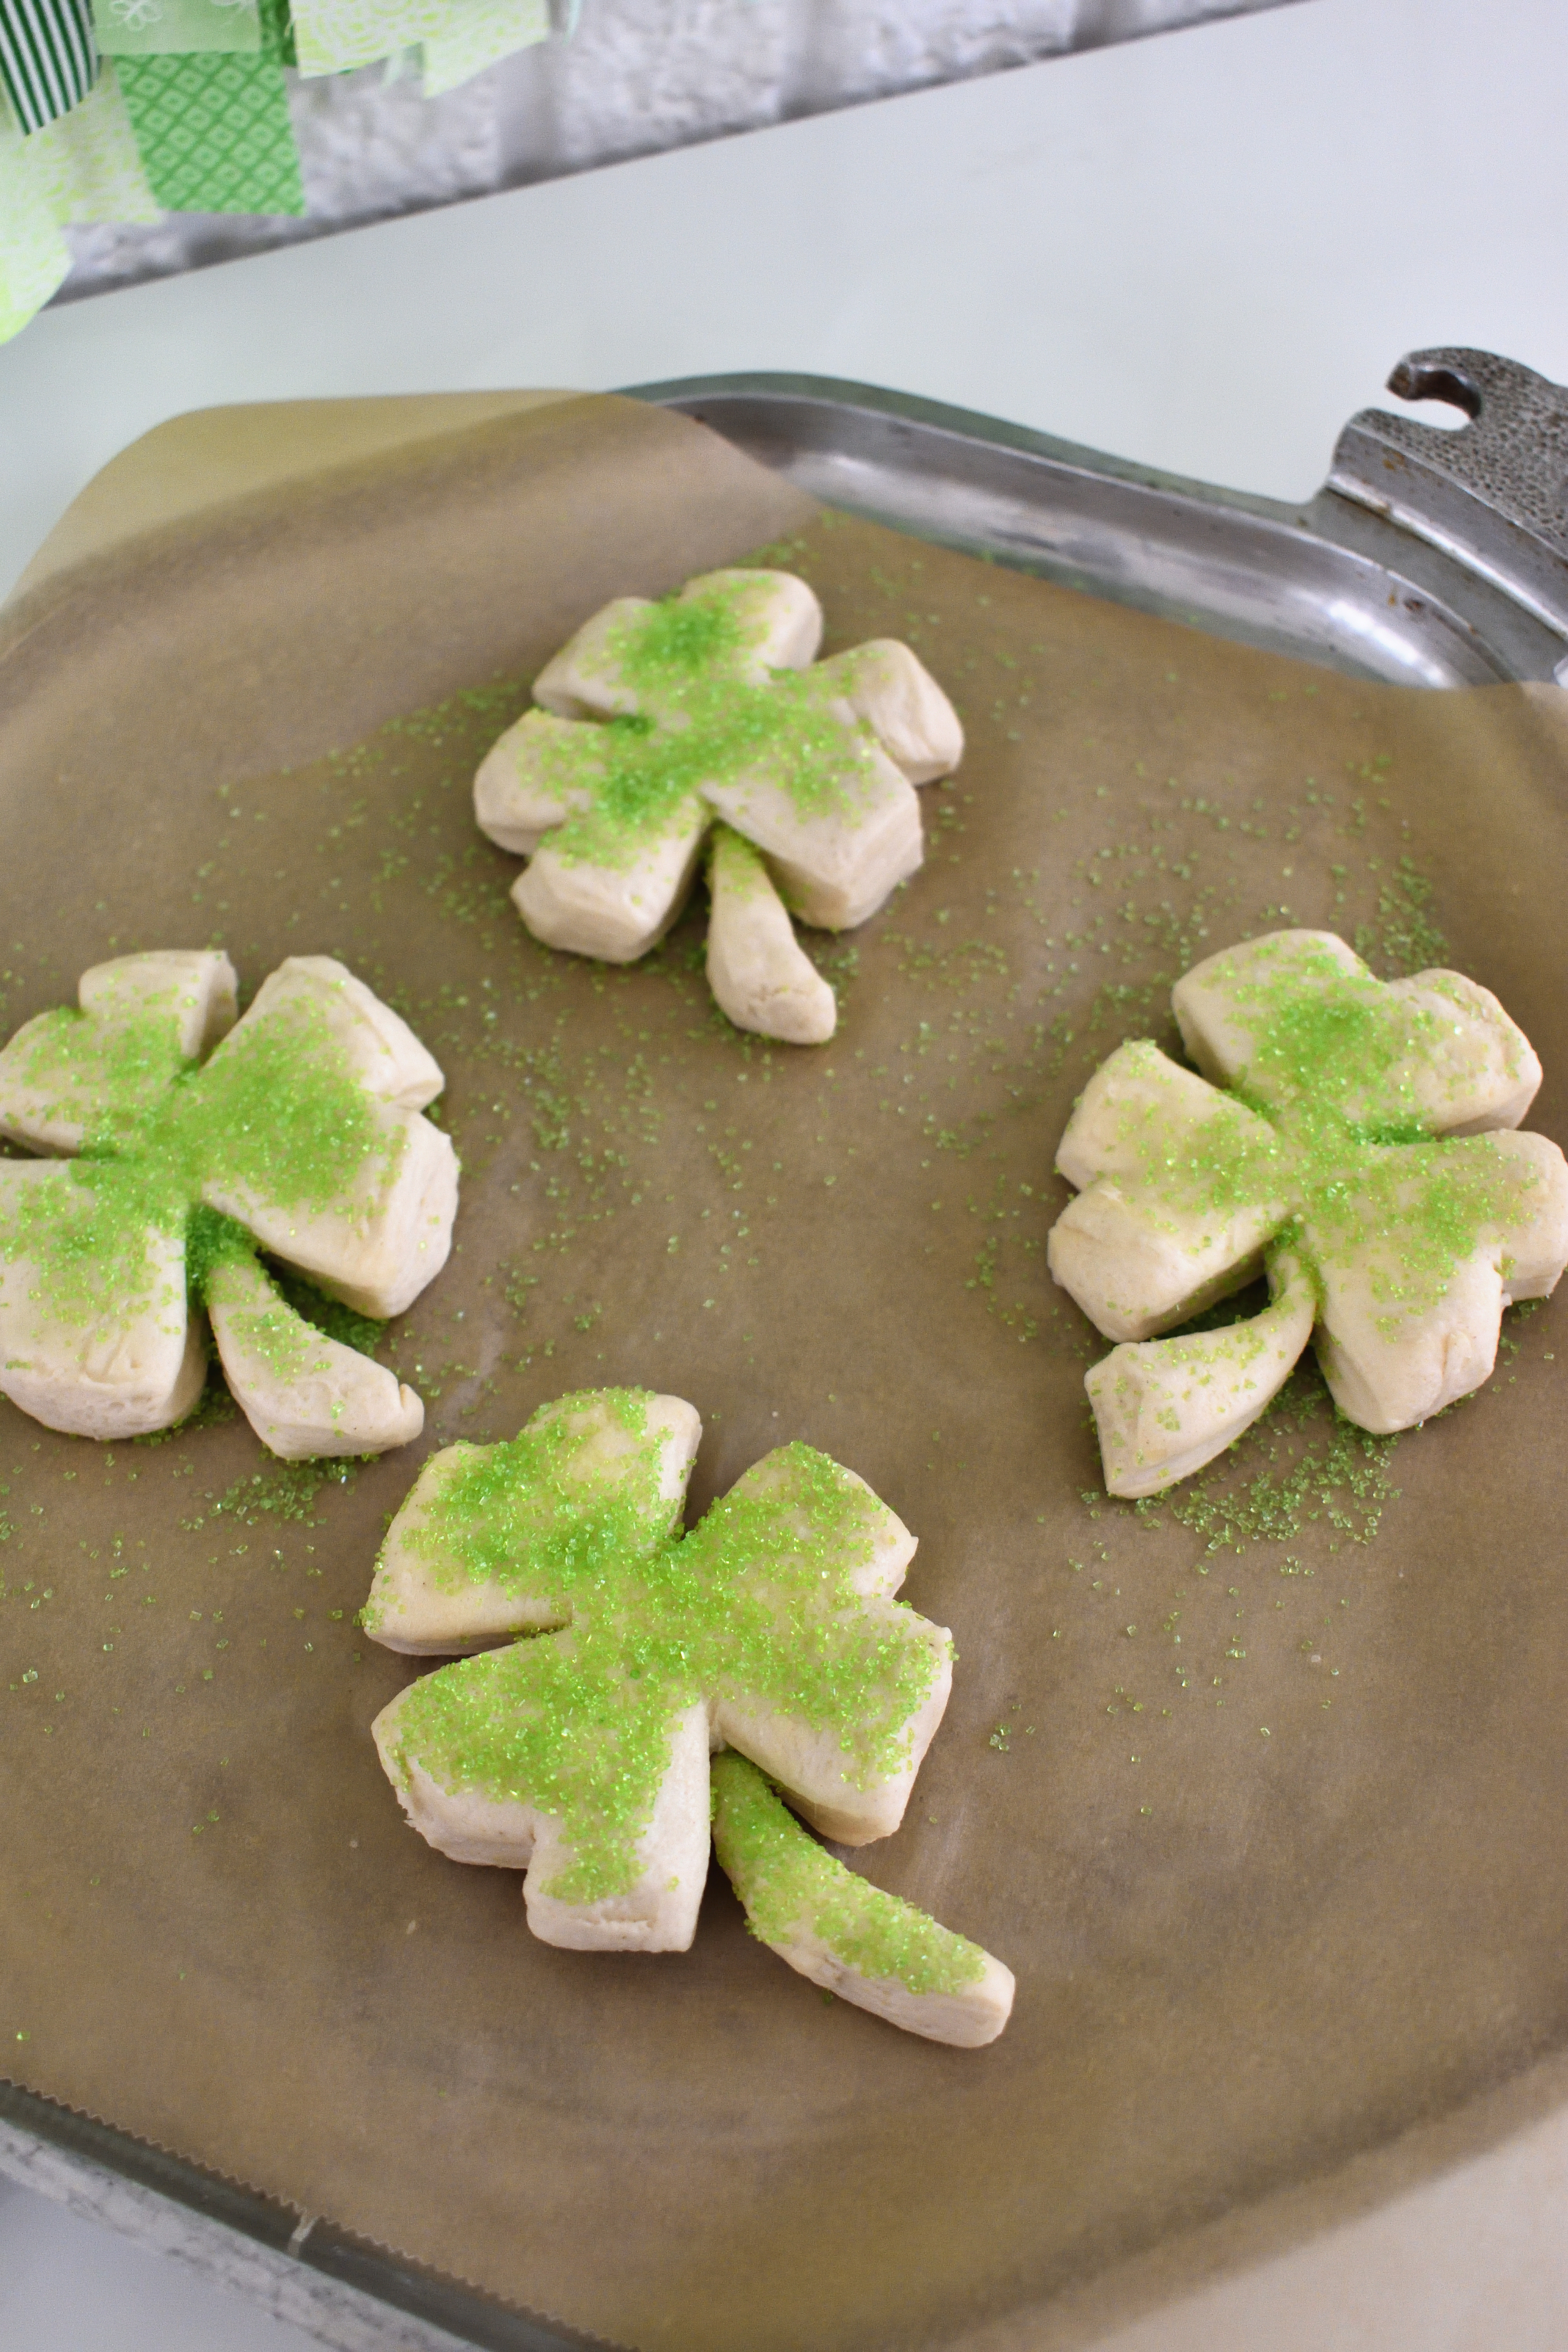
(115, 109)
(86, 166)
(215, 133)
(149, 28)
(47, 59)
(479, 33)
(277, 32)
(33, 256)
(335, 36)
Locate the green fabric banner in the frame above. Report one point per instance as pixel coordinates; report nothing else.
(187, 111)
(479, 33)
(334, 35)
(86, 166)
(214, 134)
(33, 256)
(145, 28)
(47, 59)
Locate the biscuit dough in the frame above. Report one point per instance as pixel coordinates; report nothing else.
(1355, 1138)
(658, 721)
(609, 1655)
(189, 1141)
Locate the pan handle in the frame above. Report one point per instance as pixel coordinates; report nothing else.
(1493, 494)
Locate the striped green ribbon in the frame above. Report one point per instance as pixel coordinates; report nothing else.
(49, 60)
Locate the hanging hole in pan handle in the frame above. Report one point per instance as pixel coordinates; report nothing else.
(1412, 380)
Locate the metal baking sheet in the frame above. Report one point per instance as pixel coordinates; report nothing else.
(1454, 587)
(1390, 606)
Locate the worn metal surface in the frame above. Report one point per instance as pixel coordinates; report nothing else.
(300, 2270)
(1493, 495)
(1385, 593)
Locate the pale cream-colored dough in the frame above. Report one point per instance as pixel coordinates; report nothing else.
(341, 1401)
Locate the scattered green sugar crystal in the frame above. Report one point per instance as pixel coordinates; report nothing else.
(744, 873)
(681, 637)
(757, 1613)
(277, 1113)
(345, 1324)
(1394, 1242)
(99, 1075)
(789, 1888)
(703, 722)
(1339, 1477)
(212, 1239)
(540, 1510)
(286, 1490)
(293, 1133)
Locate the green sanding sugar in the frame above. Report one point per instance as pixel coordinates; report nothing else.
(1339, 1069)
(99, 1073)
(272, 1335)
(791, 1888)
(345, 1324)
(284, 1490)
(681, 637)
(537, 1513)
(1404, 937)
(702, 721)
(277, 1113)
(756, 1610)
(1289, 1471)
(734, 865)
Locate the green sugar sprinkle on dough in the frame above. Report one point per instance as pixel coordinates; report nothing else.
(681, 637)
(1276, 1481)
(755, 1609)
(703, 722)
(1348, 1156)
(790, 1887)
(523, 1514)
(346, 1325)
(277, 1113)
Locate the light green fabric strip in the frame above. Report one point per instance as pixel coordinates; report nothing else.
(148, 29)
(87, 166)
(333, 35)
(33, 256)
(479, 33)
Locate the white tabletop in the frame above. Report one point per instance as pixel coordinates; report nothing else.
(1201, 251)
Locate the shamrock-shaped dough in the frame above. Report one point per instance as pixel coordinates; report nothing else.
(190, 1140)
(1363, 1155)
(580, 1754)
(701, 719)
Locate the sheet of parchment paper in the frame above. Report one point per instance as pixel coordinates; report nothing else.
(1259, 1794)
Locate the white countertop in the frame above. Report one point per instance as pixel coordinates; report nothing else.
(1201, 251)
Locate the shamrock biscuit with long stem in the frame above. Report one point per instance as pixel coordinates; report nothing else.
(575, 1745)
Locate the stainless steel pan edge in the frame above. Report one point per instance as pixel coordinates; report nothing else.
(1429, 558)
